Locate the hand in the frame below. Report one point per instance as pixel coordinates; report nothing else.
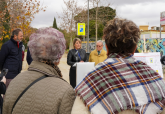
(3, 80)
(81, 61)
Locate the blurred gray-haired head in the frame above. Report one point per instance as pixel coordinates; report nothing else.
(99, 41)
(47, 44)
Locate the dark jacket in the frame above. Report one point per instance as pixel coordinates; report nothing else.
(2, 91)
(11, 58)
(72, 58)
(28, 57)
(162, 60)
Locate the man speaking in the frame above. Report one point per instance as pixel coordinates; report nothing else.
(11, 55)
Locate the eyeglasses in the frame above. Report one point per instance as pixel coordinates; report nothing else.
(98, 45)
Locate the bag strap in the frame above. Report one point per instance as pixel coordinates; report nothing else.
(27, 89)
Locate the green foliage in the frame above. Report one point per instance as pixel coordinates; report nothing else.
(1, 44)
(25, 41)
(67, 50)
(92, 29)
(105, 14)
(4, 22)
(6, 26)
(54, 23)
(67, 36)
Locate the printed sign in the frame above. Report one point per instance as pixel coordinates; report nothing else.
(81, 29)
(162, 18)
(152, 60)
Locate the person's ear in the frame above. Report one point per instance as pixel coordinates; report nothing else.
(107, 49)
(15, 37)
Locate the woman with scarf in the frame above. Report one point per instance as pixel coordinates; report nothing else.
(74, 56)
(41, 89)
(121, 84)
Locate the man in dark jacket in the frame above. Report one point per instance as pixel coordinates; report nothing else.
(11, 55)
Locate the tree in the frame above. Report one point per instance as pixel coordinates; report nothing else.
(101, 11)
(68, 15)
(30, 30)
(54, 23)
(96, 2)
(21, 14)
(67, 37)
(105, 14)
(68, 22)
(24, 13)
(5, 26)
(92, 28)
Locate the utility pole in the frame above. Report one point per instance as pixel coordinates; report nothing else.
(88, 30)
(96, 20)
(160, 30)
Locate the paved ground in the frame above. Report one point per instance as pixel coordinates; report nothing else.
(63, 66)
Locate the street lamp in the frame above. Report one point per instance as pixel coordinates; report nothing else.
(88, 30)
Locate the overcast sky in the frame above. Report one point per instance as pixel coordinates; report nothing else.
(142, 12)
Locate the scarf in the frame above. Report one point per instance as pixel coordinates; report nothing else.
(48, 62)
(98, 52)
(17, 44)
(122, 83)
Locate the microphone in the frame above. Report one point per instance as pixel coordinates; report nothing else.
(3, 73)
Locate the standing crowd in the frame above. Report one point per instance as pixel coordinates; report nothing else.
(118, 84)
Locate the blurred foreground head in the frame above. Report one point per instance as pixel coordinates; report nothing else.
(47, 44)
(121, 36)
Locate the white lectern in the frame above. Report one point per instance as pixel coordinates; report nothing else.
(82, 69)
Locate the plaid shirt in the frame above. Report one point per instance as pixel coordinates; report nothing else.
(121, 83)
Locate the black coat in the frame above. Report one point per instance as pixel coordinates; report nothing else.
(11, 58)
(28, 57)
(2, 91)
(72, 58)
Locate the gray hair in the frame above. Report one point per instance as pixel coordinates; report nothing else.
(99, 41)
(47, 44)
(16, 31)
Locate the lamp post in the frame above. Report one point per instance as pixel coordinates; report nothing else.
(88, 30)
(160, 30)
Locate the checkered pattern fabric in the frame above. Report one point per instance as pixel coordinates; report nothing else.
(121, 83)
